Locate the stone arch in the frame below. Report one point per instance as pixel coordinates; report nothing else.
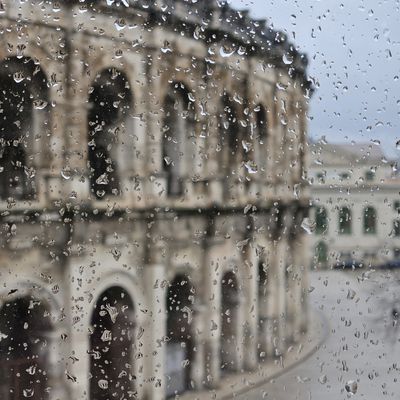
(126, 282)
(24, 98)
(111, 345)
(230, 321)
(25, 366)
(178, 128)
(28, 287)
(110, 103)
(180, 330)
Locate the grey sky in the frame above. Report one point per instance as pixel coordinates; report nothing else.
(354, 52)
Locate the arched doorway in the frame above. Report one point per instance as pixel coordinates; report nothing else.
(24, 350)
(111, 344)
(179, 352)
(230, 303)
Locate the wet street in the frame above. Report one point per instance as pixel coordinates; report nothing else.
(360, 357)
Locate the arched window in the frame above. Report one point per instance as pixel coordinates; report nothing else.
(230, 137)
(109, 101)
(178, 127)
(321, 220)
(370, 220)
(261, 137)
(345, 221)
(321, 253)
(23, 101)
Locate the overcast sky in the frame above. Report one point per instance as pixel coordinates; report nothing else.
(354, 52)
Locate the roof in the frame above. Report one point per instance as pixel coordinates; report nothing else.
(346, 154)
(216, 20)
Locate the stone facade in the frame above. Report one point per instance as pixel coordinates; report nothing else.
(152, 197)
(356, 205)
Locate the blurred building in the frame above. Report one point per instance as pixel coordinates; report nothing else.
(356, 205)
(152, 163)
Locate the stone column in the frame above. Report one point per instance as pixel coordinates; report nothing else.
(197, 368)
(281, 251)
(78, 310)
(155, 331)
(212, 301)
(291, 283)
(277, 293)
(56, 365)
(153, 97)
(250, 290)
(264, 340)
(303, 314)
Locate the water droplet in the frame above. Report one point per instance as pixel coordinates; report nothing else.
(39, 104)
(168, 160)
(242, 243)
(308, 225)
(103, 384)
(351, 387)
(166, 48)
(225, 52)
(287, 59)
(185, 363)
(28, 392)
(120, 24)
(296, 190)
(251, 167)
(31, 370)
(351, 294)
(102, 179)
(106, 336)
(196, 33)
(66, 173)
(241, 51)
(18, 77)
(112, 312)
(116, 253)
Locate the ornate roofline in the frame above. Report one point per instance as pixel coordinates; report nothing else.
(213, 21)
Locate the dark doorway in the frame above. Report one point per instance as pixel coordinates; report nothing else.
(111, 347)
(229, 319)
(180, 299)
(24, 350)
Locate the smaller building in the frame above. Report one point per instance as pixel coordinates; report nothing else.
(356, 205)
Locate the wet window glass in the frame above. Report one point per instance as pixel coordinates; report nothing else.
(199, 199)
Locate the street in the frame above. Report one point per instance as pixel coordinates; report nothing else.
(360, 358)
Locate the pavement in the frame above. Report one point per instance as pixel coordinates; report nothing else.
(351, 349)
